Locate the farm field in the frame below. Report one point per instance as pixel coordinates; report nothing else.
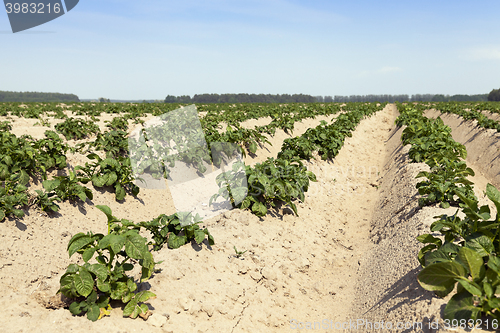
(347, 251)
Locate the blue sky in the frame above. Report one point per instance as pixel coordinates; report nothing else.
(151, 49)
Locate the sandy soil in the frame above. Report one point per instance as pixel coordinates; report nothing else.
(351, 254)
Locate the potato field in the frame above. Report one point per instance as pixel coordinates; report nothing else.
(339, 217)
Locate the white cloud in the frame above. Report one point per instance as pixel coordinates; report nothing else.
(484, 53)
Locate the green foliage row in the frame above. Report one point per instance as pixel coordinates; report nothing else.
(327, 140)
(248, 139)
(220, 112)
(467, 258)
(286, 179)
(464, 258)
(23, 158)
(282, 117)
(107, 258)
(431, 143)
(27, 158)
(77, 129)
(472, 112)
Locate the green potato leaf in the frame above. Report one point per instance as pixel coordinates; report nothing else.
(440, 276)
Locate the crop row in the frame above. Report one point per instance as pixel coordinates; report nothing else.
(285, 178)
(92, 286)
(282, 117)
(25, 157)
(214, 113)
(469, 112)
(465, 254)
(431, 143)
(492, 107)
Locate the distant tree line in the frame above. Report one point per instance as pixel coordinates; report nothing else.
(301, 98)
(325, 99)
(371, 98)
(460, 98)
(405, 98)
(241, 98)
(494, 95)
(11, 96)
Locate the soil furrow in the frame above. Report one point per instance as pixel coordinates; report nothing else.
(350, 184)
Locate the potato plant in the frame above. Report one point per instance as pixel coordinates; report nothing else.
(68, 187)
(118, 123)
(176, 230)
(431, 143)
(17, 157)
(110, 172)
(52, 151)
(47, 201)
(443, 182)
(5, 126)
(93, 285)
(77, 129)
(466, 258)
(232, 184)
(13, 195)
(269, 182)
(114, 143)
